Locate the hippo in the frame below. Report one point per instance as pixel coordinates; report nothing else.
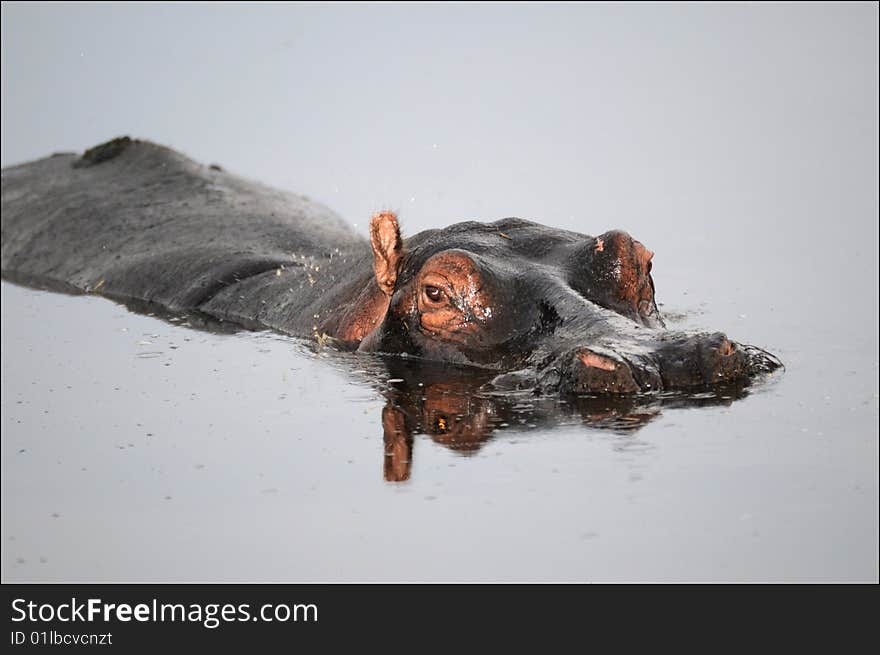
(529, 307)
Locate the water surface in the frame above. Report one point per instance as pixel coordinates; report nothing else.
(139, 449)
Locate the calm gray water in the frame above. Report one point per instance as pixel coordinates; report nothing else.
(739, 143)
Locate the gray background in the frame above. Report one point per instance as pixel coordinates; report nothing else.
(739, 142)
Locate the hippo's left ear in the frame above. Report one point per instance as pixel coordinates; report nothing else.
(387, 249)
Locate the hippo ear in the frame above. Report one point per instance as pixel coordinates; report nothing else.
(387, 249)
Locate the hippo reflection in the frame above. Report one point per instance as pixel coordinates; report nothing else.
(461, 410)
(528, 306)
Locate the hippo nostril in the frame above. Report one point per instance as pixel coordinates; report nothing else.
(701, 359)
(726, 348)
(724, 361)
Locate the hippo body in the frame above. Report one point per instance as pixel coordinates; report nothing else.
(545, 308)
(151, 225)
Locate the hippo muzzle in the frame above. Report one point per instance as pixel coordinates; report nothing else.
(684, 363)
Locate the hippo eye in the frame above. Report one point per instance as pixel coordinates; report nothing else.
(649, 267)
(434, 294)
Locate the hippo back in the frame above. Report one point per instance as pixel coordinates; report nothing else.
(134, 220)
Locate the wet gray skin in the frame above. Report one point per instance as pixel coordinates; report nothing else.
(546, 309)
(554, 308)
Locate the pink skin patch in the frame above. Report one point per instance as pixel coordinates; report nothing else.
(600, 245)
(593, 360)
(643, 255)
(726, 349)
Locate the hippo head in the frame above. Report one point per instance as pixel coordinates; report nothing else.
(548, 308)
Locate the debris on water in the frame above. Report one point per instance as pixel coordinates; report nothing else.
(395, 380)
(144, 342)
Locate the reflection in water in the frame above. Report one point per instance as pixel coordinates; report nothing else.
(457, 408)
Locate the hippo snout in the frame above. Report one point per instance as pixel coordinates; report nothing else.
(700, 360)
(679, 362)
(587, 371)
